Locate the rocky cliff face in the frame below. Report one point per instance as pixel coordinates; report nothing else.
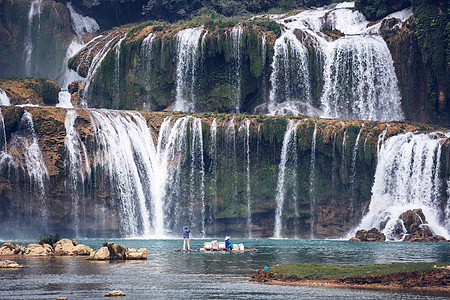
(96, 173)
(32, 36)
(243, 67)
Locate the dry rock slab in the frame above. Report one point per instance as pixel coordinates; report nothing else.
(117, 293)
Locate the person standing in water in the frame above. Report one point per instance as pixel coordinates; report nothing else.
(186, 232)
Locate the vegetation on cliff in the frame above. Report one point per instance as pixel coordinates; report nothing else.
(39, 91)
(421, 50)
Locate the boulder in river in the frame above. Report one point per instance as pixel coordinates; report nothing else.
(372, 235)
(9, 264)
(417, 229)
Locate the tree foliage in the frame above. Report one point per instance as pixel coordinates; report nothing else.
(378, 9)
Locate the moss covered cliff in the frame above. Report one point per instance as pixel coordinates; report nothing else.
(339, 182)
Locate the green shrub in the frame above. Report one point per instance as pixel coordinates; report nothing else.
(48, 238)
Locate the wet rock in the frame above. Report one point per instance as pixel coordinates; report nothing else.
(134, 254)
(417, 229)
(74, 86)
(9, 264)
(372, 235)
(115, 294)
(38, 250)
(117, 252)
(100, 254)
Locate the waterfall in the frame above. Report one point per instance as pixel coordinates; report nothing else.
(312, 167)
(116, 92)
(333, 168)
(147, 55)
(236, 65)
(198, 166)
(4, 99)
(123, 147)
(97, 61)
(230, 140)
(287, 165)
(289, 79)
(213, 167)
(353, 173)
(165, 180)
(246, 126)
(407, 178)
(81, 24)
(188, 56)
(447, 208)
(24, 143)
(74, 164)
(360, 80)
(35, 9)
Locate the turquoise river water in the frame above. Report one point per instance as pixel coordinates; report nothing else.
(168, 274)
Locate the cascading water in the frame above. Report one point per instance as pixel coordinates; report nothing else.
(289, 79)
(197, 172)
(213, 166)
(35, 10)
(360, 80)
(81, 24)
(4, 99)
(246, 126)
(123, 145)
(236, 65)
(24, 143)
(287, 175)
(188, 56)
(74, 164)
(358, 72)
(312, 168)
(353, 171)
(116, 93)
(407, 178)
(111, 38)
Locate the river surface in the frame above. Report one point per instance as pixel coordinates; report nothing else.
(168, 274)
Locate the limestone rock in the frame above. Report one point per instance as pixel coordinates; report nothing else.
(100, 254)
(74, 86)
(117, 252)
(64, 247)
(115, 294)
(81, 249)
(134, 254)
(9, 264)
(38, 250)
(417, 229)
(372, 235)
(7, 249)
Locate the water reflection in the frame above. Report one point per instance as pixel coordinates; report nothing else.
(170, 274)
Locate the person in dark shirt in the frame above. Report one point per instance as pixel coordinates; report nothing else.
(186, 232)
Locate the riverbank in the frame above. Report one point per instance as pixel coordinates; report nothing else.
(433, 277)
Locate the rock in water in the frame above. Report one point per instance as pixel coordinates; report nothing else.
(70, 247)
(100, 254)
(134, 254)
(38, 250)
(9, 264)
(115, 294)
(417, 229)
(373, 235)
